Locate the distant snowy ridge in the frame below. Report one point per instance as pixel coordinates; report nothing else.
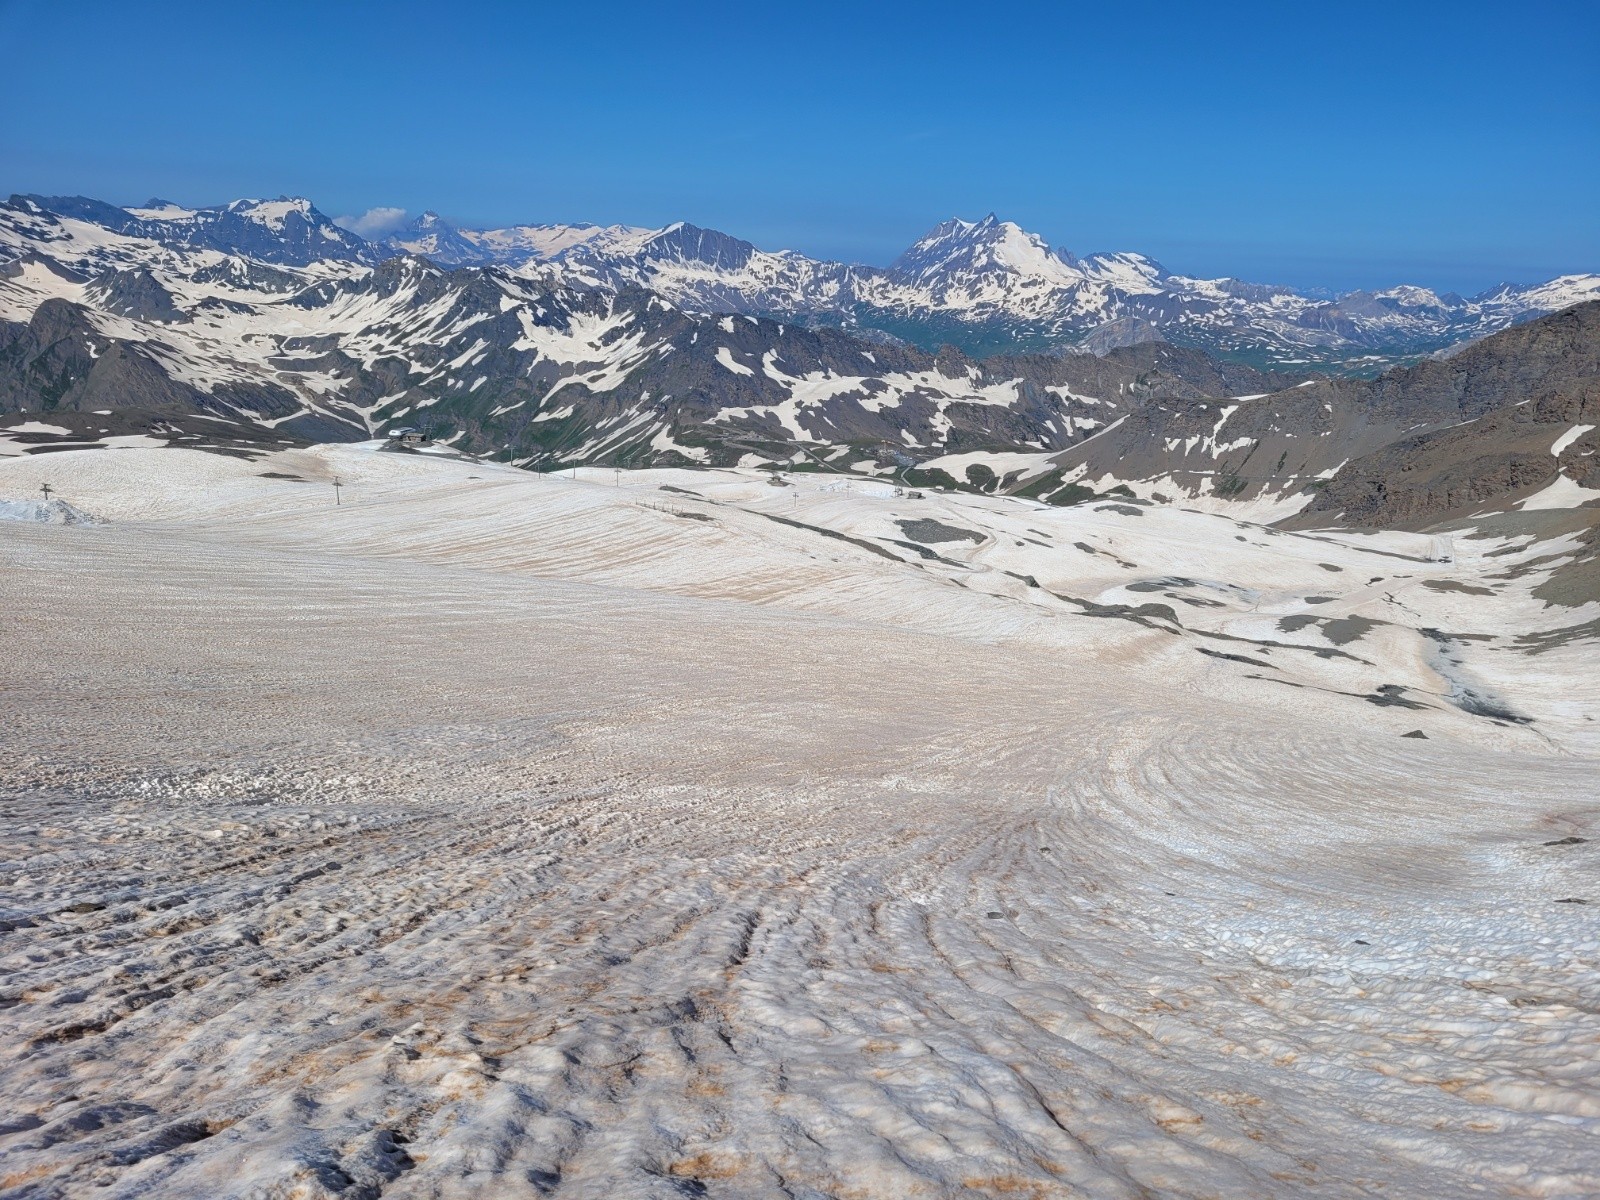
(989, 286)
(985, 286)
(287, 230)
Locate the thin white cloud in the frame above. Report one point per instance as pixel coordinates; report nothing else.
(373, 223)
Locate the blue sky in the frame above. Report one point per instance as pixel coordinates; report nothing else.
(1359, 144)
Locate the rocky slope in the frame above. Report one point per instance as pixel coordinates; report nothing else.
(1505, 418)
(1510, 414)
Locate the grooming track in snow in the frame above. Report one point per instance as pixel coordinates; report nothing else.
(495, 835)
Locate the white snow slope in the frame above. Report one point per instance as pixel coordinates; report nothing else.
(681, 834)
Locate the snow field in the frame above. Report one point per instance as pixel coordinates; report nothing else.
(521, 836)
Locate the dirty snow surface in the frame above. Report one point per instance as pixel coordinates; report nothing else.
(681, 834)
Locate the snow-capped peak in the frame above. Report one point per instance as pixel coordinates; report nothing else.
(1407, 296)
(156, 209)
(273, 213)
(1558, 293)
(980, 247)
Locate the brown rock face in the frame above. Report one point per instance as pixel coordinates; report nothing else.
(1497, 409)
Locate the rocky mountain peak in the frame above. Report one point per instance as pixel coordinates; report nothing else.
(683, 242)
(979, 247)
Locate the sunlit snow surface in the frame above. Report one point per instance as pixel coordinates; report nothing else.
(501, 835)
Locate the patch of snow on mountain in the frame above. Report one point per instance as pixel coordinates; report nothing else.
(1567, 438)
(1563, 492)
(271, 213)
(725, 357)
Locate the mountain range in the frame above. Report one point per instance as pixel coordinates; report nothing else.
(984, 286)
(989, 287)
(263, 322)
